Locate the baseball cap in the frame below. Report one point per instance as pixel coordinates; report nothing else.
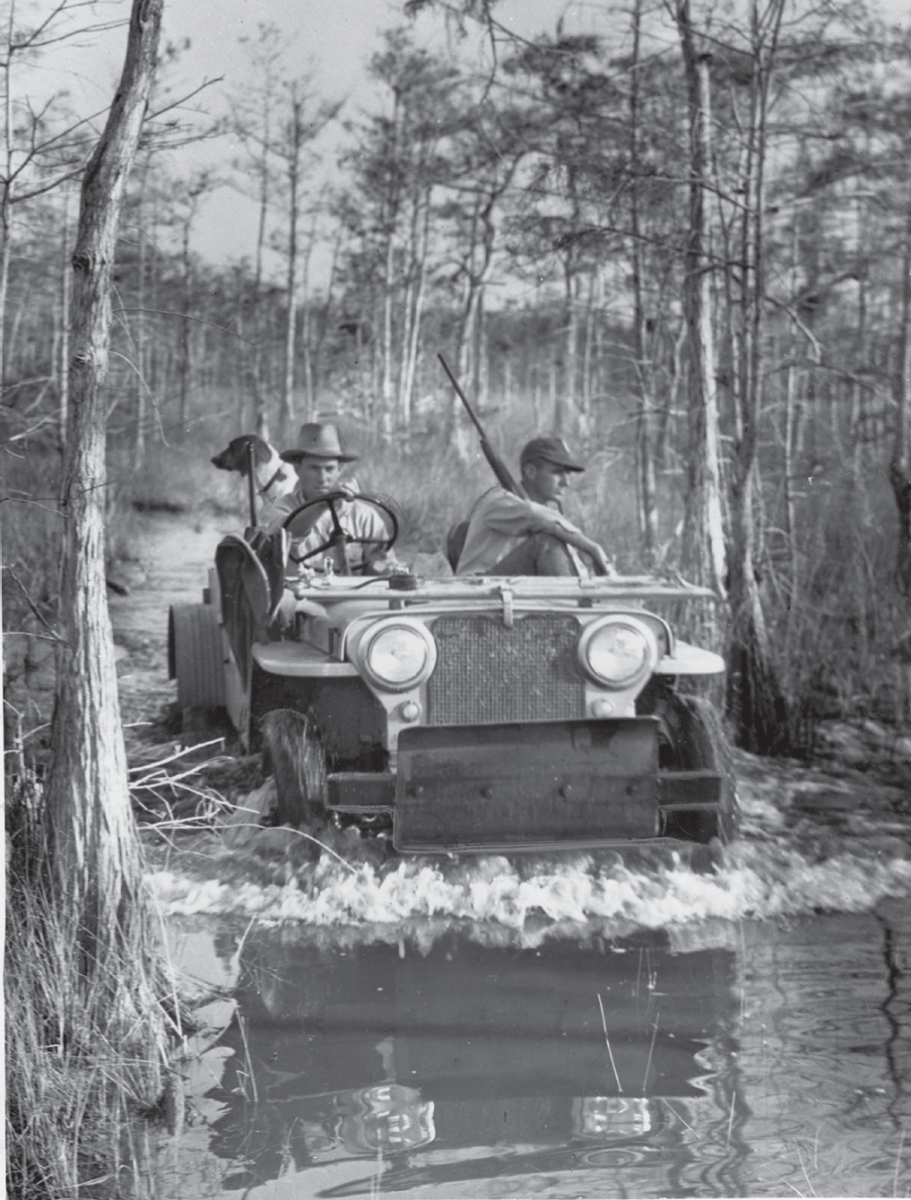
(552, 450)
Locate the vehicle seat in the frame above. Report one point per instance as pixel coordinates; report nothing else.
(455, 543)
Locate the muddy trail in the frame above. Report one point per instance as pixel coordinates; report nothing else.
(171, 567)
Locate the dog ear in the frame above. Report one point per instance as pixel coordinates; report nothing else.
(262, 451)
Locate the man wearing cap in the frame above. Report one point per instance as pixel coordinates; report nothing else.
(318, 458)
(516, 535)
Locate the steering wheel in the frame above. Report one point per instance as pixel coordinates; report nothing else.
(339, 537)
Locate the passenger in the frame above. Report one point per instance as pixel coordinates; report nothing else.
(509, 535)
(318, 459)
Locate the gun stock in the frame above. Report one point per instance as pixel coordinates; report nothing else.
(499, 468)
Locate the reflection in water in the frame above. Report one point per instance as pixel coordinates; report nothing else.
(476, 1063)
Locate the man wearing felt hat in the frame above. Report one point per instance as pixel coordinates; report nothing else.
(529, 535)
(318, 458)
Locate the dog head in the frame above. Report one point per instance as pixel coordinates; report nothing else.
(272, 476)
(236, 455)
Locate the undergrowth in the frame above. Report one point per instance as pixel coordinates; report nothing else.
(87, 1052)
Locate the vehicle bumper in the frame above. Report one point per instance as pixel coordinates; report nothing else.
(505, 788)
(518, 786)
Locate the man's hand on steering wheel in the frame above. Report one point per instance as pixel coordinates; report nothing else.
(339, 536)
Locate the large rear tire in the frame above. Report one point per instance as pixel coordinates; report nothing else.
(195, 656)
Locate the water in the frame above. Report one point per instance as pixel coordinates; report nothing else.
(756, 1059)
(562, 1028)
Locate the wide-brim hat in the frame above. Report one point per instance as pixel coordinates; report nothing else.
(318, 441)
(552, 450)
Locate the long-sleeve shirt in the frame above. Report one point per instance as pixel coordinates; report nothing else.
(498, 523)
(314, 528)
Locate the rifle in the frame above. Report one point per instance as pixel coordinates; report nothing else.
(251, 481)
(498, 467)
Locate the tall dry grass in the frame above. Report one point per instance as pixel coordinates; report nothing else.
(86, 1049)
(840, 623)
(87, 1057)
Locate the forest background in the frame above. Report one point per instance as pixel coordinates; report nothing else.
(677, 234)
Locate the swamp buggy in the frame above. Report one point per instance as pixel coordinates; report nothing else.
(463, 714)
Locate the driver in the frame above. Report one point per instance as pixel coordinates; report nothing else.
(318, 459)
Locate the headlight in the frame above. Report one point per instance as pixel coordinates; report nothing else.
(618, 652)
(398, 656)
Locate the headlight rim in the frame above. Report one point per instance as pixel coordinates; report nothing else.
(416, 629)
(636, 677)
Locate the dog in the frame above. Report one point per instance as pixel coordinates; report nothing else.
(271, 476)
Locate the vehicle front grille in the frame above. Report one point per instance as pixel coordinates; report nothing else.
(489, 674)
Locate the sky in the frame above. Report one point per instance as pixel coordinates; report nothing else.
(338, 34)
(331, 40)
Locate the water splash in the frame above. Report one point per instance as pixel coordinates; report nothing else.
(773, 870)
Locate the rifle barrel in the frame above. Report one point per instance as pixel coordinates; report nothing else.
(251, 482)
(497, 465)
(461, 395)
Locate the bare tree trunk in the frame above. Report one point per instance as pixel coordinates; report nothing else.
(645, 426)
(66, 294)
(755, 702)
(183, 367)
(565, 407)
(326, 319)
(92, 848)
(260, 408)
(286, 418)
(295, 142)
(900, 466)
(412, 274)
(386, 383)
(392, 208)
(478, 264)
(417, 313)
(457, 433)
(566, 412)
(587, 383)
(306, 338)
(139, 336)
(6, 199)
(704, 551)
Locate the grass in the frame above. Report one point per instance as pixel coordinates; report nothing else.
(87, 1057)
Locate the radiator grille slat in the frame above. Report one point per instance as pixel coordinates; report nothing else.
(488, 674)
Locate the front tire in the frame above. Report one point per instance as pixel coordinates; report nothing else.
(299, 766)
(692, 739)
